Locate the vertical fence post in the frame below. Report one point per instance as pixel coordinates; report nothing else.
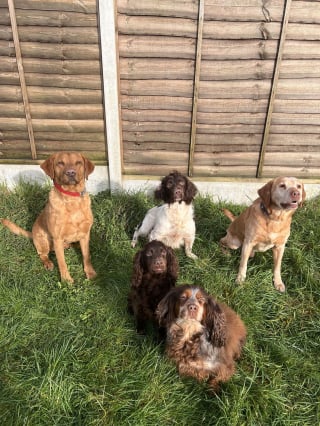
(196, 88)
(112, 106)
(273, 88)
(24, 91)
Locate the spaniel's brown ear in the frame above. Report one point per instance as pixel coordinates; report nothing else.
(88, 167)
(265, 194)
(159, 192)
(165, 312)
(172, 264)
(191, 191)
(137, 272)
(48, 166)
(215, 322)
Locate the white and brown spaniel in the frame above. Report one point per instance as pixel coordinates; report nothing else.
(173, 221)
(204, 337)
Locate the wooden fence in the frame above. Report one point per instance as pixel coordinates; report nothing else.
(50, 80)
(216, 89)
(220, 89)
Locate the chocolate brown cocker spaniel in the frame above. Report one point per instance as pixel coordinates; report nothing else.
(155, 271)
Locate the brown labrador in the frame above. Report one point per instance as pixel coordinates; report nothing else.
(265, 224)
(67, 216)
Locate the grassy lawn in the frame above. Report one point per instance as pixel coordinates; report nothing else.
(70, 354)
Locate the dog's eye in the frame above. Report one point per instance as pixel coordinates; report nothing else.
(299, 186)
(79, 163)
(282, 185)
(149, 253)
(183, 298)
(181, 182)
(60, 163)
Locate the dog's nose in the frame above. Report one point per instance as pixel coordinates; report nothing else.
(192, 308)
(71, 173)
(295, 193)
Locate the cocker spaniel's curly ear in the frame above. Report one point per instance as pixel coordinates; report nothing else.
(191, 191)
(172, 264)
(137, 272)
(165, 312)
(265, 194)
(215, 322)
(48, 166)
(88, 167)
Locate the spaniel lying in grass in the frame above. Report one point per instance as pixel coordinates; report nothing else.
(204, 337)
(172, 222)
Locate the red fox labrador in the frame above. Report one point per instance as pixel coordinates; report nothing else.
(67, 217)
(265, 224)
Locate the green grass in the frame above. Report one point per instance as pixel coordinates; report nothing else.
(70, 354)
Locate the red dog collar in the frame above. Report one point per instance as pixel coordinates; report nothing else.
(72, 194)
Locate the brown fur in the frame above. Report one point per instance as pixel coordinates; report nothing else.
(65, 219)
(204, 337)
(265, 224)
(155, 272)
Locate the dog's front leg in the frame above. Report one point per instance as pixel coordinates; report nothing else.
(277, 260)
(58, 245)
(146, 227)
(87, 265)
(246, 251)
(188, 243)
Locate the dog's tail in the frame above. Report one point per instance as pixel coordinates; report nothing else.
(229, 215)
(16, 229)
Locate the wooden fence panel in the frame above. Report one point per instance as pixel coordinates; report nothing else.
(239, 55)
(60, 64)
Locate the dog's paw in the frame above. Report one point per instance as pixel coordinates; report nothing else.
(240, 278)
(279, 286)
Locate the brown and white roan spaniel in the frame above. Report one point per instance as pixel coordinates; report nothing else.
(204, 337)
(173, 221)
(155, 272)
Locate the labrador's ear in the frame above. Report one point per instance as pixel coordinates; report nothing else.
(88, 167)
(48, 166)
(265, 194)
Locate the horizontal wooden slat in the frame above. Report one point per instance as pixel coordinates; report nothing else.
(156, 102)
(177, 8)
(302, 172)
(68, 112)
(156, 115)
(52, 66)
(145, 138)
(226, 159)
(11, 135)
(71, 35)
(50, 18)
(53, 125)
(178, 27)
(51, 95)
(53, 80)
(182, 88)
(155, 126)
(84, 6)
(156, 157)
(52, 51)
